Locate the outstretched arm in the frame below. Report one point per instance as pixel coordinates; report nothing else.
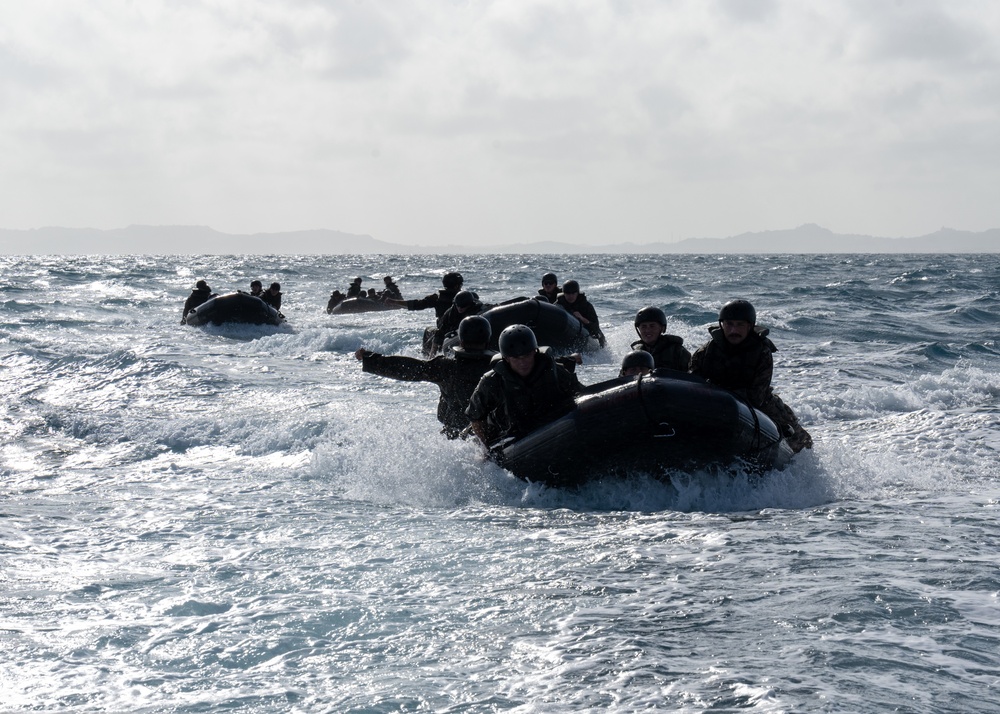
(407, 369)
(479, 429)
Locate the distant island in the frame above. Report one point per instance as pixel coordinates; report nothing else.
(202, 240)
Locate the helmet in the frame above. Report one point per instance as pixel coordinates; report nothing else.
(738, 310)
(387, 279)
(637, 358)
(550, 278)
(571, 286)
(275, 286)
(465, 299)
(256, 284)
(452, 280)
(650, 314)
(356, 281)
(202, 285)
(517, 341)
(474, 330)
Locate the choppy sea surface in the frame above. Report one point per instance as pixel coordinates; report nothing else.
(238, 519)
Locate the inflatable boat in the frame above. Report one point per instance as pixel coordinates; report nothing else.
(668, 421)
(552, 325)
(234, 307)
(352, 306)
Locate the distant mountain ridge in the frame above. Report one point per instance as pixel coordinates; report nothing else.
(195, 240)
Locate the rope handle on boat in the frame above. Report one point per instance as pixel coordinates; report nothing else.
(756, 421)
(660, 426)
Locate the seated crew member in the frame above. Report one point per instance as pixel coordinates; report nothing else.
(576, 304)
(391, 289)
(272, 296)
(465, 304)
(549, 292)
(354, 290)
(256, 288)
(372, 295)
(440, 301)
(456, 378)
(668, 350)
(525, 389)
(738, 358)
(336, 297)
(636, 363)
(199, 296)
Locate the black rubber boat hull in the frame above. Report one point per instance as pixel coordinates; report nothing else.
(353, 306)
(654, 425)
(553, 326)
(236, 307)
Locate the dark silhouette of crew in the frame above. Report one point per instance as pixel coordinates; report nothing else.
(455, 376)
(549, 292)
(272, 296)
(525, 389)
(199, 296)
(576, 304)
(391, 290)
(336, 297)
(739, 358)
(465, 304)
(636, 363)
(441, 300)
(668, 351)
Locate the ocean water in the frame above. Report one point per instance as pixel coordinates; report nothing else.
(238, 519)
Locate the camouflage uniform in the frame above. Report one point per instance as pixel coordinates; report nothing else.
(746, 369)
(585, 308)
(198, 296)
(668, 352)
(456, 378)
(514, 406)
(440, 301)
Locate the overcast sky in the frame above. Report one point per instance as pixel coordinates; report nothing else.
(432, 122)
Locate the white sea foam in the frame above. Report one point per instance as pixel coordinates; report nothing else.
(240, 518)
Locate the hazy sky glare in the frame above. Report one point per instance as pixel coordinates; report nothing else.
(425, 122)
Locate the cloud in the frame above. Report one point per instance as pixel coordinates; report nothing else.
(432, 121)
(749, 10)
(925, 33)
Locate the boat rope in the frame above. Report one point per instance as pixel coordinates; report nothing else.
(756, 422)
(657, 425)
